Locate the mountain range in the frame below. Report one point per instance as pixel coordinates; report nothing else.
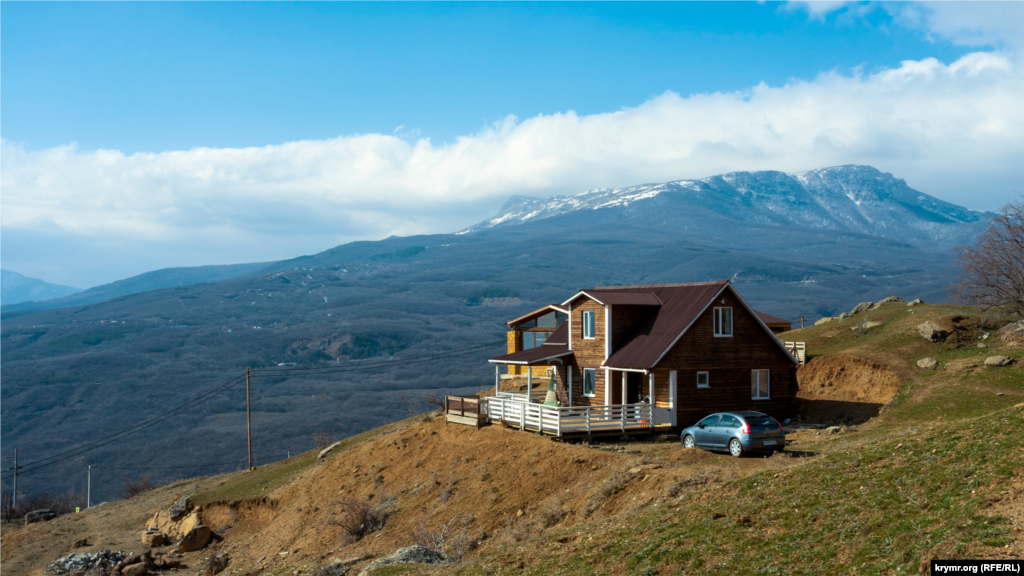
(15, 288)
(809, 244)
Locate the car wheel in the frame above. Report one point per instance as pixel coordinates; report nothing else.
(735, 447)
(688, 441)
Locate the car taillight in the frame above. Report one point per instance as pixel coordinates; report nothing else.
(746, 427)
(777, 423)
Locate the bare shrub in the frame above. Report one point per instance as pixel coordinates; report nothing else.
(611, 485)
(551, 512)
(132, 489)
(435, 400)
(522, 530)
(993, 269)
(361, 517)
(323, 439)
(451, 538)
(216, 565)
(688, 483)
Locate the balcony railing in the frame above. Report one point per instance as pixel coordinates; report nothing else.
(514, 410)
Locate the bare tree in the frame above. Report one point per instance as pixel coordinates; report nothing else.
(993, 269)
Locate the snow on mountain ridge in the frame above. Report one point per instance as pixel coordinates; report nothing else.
(849, 198)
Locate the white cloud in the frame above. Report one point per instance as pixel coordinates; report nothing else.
(988, 23)
(955, 131)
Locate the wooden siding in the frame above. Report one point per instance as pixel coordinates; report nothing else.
(587, 353)
(729, 362)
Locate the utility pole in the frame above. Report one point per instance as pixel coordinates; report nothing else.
(801, 320)
(248, 417)
(14, 498)
(88, 489)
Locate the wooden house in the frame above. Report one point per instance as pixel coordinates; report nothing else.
(530, 331)
(662, 356)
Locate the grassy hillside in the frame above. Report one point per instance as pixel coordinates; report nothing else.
(937, 472)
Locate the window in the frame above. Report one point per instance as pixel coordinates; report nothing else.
(709, 421)
(760, 386)
(589, 379)
(703, 380)
(723, 322)
(588, 324)
(729, 422)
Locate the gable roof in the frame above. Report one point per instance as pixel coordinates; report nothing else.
(770, 320)
(601, 296)
(681, 305)
(537, 312)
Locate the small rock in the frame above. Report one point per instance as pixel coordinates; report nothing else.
(928, 363)
(140, 569)
(862, 307)
(932, 332)
(866, 325)
(998, 361)
(181, 507)
(153, 538)
(323, 453)
(410, 555)
(41, 515)
(80, 543)
(915, 302)
(825, 319)
(833, 430)
(519, 513)
(886, 301)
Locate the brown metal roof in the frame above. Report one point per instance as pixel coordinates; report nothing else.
(539, 355)
(681, 305)
(537, 312)
(623, 298)
(770, 320)
(559, 336)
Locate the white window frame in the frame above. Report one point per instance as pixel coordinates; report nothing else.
(707, 380)
(719, 324)
(590, 325)
(593, 382)
(756, 377)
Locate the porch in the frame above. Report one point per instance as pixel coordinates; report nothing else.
(517, 411)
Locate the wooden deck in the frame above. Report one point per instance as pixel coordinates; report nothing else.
(513, 410)
(465, 410)
(798, 350)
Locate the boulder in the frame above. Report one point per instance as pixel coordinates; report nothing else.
(862, 307)
(410, 555)
(153, 538)
(932, 332)
(181, 507)
(865, 325)
(998, 361)
(843, 316)
(189, 523)
(825, 319)
(323, 453)
(339, 567)
(833, 430)
(140, 569)
(41, 515)
(928, 363)
(915, 302)
(161, 521)
(195, 539)
(886, 301)
(80, 543)
(1012, 334)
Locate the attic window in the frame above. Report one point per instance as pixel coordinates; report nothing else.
(723, 322)
(703, 381)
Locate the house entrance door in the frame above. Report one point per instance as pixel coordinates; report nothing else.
(665, 407)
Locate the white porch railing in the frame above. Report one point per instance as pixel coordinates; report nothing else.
(798, 350)
(561, 420)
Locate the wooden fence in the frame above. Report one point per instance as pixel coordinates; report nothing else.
(798, 350)
(561, 420)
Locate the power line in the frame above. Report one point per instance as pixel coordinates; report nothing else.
(51, 460)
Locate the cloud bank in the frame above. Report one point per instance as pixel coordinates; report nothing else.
(952, 130)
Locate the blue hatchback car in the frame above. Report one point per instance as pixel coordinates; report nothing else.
(736, 433)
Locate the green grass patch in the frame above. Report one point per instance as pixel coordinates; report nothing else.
(883, 508)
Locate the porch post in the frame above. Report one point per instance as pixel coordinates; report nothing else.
(497, 379)
(623, 397)
(529, 383)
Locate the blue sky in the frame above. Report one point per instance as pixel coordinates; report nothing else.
(138, 136)
(151, 77)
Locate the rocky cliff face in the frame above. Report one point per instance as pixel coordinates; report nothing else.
(858, 199)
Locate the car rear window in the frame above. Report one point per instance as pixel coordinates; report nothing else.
(760, 421)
